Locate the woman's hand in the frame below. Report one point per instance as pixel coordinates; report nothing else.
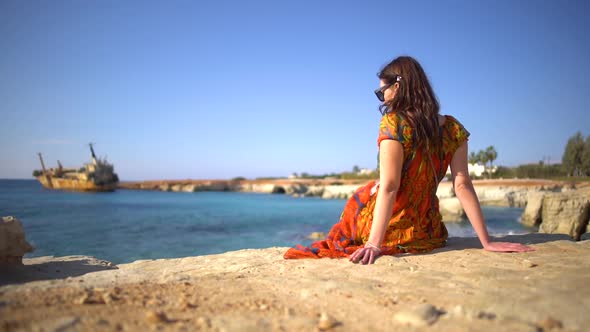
(366, 255)
(507, 247)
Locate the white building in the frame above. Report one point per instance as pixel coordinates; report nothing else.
(475, 170)
(364, 171)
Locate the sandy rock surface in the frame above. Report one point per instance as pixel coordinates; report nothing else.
(457, 288)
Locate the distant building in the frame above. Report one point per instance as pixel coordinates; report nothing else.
(365, 171)
(476, 170)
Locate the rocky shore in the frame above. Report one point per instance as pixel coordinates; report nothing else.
(512, 193)
(457, 288)
(327, 189)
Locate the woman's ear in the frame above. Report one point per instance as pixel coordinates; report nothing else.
(394, 88)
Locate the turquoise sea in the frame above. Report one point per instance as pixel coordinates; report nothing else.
(128, 225)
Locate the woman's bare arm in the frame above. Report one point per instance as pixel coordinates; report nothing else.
(391, 156)
(466, 193)
(468, 198)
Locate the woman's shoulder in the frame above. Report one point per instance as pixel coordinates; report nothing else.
(451, 121)
(455, 129)
(394, 126)
(396, 118)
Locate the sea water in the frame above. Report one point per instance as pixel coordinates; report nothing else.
(128, 225)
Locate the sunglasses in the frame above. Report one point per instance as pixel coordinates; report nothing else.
(380, 93)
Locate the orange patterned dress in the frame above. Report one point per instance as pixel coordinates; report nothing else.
(416, 223)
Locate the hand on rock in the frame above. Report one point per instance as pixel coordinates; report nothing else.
(507, 247)
(366, 255)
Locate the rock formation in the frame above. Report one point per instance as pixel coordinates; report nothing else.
(566, 213)
(531, 215)
(339, 192)
(451, 209)
(12, 242)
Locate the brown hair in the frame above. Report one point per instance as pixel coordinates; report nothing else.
(415, 100)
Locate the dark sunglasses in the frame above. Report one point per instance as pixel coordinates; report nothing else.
(380, 93)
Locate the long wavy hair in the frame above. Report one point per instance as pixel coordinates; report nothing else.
(415, 100)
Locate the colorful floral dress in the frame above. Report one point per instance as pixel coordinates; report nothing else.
(416, 223)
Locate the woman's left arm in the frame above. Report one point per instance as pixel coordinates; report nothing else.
(391, 156)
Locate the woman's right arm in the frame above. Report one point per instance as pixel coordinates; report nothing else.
(466, 194)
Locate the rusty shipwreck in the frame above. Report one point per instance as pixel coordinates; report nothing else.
(97, 175)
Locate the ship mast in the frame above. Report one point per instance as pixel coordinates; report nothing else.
(93, 155)
(47, 176)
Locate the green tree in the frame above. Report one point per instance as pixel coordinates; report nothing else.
(482, 157)
(538, 171)
(473, 158)
(491, 155)
(356, 169)
(586, 157)
(504, 172)
(572, 156)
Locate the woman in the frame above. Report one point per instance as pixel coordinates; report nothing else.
(399, 213)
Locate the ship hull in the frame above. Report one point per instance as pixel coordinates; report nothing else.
(74, 184)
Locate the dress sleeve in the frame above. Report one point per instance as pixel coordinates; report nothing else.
(458, 134)
(393, 127)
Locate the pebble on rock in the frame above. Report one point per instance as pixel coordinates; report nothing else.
(204, 322)
(289, 312)
(486, 315)
(184, 304)
(550, 323)
(108, 298)
(156, 317)
(421, 315)
(84, 299)
(326, 322)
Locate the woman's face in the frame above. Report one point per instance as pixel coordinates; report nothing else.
(390, 91)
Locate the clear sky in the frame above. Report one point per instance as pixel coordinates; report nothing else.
(218, 89)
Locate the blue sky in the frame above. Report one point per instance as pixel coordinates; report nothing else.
(218, 89)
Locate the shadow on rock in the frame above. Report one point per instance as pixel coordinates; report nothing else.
(48, 268)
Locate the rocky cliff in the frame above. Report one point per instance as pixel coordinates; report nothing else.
(457, 288)
(564, 213)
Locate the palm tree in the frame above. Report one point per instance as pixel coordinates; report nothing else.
(482, 157)
(473, 158)
(491, 155)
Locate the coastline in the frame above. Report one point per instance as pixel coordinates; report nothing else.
(500, 192)
(456, 288)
